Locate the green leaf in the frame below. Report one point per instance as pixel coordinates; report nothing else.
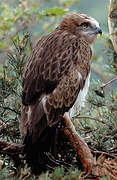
(54, 12)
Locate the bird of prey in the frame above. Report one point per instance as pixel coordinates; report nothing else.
(56, 76)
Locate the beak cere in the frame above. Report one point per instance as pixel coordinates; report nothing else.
(99, 31)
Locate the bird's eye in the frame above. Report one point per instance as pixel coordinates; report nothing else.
(84, 25)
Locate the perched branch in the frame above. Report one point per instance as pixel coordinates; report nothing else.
(81, 147)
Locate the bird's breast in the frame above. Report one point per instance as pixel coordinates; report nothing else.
(81, 96)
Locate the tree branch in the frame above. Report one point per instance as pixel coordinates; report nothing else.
(80, 147)
(109, 82)
(13, 150)
(92, 118)
(110, 27)
(10, 148)
(8, 108)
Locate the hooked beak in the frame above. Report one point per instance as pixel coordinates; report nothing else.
(98, 30)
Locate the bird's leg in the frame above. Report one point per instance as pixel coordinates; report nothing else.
(80, 146)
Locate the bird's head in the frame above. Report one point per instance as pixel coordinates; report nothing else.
(81, 25)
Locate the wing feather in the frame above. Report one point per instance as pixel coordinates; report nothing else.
(48, 63)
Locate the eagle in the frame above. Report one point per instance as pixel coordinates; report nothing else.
(56, 77)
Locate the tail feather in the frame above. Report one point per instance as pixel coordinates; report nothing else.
(39, 140)
(35, 153)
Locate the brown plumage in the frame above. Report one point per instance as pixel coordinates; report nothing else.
(54, 74)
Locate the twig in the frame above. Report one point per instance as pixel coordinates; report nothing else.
(13, 150)
(92, 118)
(101, 152)
(13, 110)
(109, 82)
(85, 130)
(10, 148)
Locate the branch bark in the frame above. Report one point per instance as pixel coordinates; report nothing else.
(13, 150)
(110, 27)
(10, 148)
(82, 149)
(109, 82)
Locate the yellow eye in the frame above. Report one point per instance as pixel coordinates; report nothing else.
(84, 25)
